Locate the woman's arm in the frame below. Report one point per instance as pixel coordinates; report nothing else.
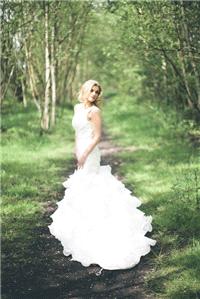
(75, 149)
(75, 143)
(95, 118)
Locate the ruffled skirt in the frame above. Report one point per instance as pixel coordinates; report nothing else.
(98, 221)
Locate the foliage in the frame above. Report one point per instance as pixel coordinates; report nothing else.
(144, 48)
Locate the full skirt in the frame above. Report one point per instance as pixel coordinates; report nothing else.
(98, 221)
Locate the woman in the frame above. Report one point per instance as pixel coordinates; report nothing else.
(97, 221)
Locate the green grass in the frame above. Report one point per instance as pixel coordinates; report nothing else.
(163, 171)
(33, 169)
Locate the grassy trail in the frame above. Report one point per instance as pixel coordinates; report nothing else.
(33, 263)
(152, 156)
(164, 171)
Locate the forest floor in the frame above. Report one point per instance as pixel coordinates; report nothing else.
(34, 267)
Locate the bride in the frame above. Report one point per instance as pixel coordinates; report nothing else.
(98, 220)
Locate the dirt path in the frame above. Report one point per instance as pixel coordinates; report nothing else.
(51, 275)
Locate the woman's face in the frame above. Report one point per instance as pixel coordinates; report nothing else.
(93, 94)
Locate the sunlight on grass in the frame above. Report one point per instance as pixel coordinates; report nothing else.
(32, 164)
(179, 274)
(164, 173)
(22, 208)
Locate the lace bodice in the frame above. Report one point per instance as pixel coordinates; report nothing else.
(84, 134)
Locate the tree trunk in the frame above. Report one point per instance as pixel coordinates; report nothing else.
(189, 96)
(181, 59)
(32, 78)
(3, 93)
(29, 71)
(192, 61)
(180, 75)
(45, 115)
(53, 77)
(24, 92)
(164, 69)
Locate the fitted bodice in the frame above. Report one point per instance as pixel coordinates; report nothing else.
(81, 124)
(84, 134)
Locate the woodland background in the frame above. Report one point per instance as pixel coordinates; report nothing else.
(146, 56)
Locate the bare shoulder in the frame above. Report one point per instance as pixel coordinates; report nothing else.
(94, 114)
(95, 110)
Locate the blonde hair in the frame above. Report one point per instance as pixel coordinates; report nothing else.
(86, 88)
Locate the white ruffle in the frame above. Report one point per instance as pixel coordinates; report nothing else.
(98, 222)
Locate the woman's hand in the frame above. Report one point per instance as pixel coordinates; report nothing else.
(81, 161)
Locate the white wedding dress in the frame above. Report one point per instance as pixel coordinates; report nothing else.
(97, 221)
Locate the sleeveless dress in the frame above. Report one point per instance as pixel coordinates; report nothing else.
(98, 220)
